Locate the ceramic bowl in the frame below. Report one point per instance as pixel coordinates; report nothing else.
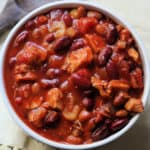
(71, 4)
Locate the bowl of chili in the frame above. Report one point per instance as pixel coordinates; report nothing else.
(74, 75)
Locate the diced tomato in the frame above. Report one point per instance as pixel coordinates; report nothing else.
(86, 24)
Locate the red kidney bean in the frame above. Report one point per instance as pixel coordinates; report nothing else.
(100, 133)
(51, 118)
(12, 62)
(45, 83)
(111, 69)
(112, 34)
(81, 78)
(67, 19)
(88, 103)
(62, 43)
(92, 92)
(132, 65)
(88, 93)
(50, 37)
(104, 55)
(44, 67)
(78, 43)
(118, 124)
(18, 100)
(30, 25)
(55, 61)
(21, 38)
(66, 86)
(53, 72)
(119, 99)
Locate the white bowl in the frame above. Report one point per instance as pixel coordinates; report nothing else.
(69, 4)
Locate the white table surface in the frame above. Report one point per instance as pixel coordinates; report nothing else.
(137, 13)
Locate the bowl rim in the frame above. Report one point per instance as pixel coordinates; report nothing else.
(69, 4)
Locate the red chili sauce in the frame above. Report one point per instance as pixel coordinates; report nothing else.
(74, 75)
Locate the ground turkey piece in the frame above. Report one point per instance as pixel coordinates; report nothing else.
(54, 98)
(35, 116)
(77, 58)
(31, 53)
(97, 43)
(24, 73)
(102, 86)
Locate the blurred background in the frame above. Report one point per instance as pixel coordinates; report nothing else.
(137, 13)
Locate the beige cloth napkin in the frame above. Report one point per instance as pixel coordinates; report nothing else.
(137, 13)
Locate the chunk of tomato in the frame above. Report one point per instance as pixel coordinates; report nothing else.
(86, 24)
